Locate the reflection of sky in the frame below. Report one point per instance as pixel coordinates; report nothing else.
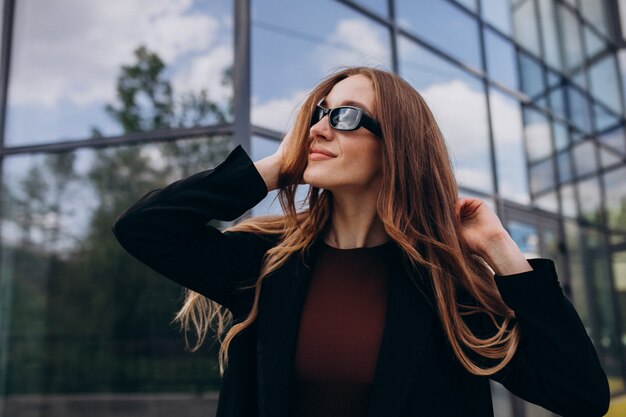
(67, 55)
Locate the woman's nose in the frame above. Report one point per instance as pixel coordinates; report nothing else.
(321, 129)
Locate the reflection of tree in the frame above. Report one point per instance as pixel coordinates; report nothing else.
(87, 316)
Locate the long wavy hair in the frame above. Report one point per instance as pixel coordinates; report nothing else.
(416, 206)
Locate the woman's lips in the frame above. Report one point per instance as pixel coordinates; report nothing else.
(316, 156)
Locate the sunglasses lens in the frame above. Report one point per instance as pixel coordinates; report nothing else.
(318, 113)
(344, 118)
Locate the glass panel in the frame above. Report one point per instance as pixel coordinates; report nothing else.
(550, 34)
(531, 75)
(585, 158)
(614, 139)
(311, 39)
(378, 6)
(498, 13)
(548, 202)
(85, 317)
(593, 43)
(459, 105)
(557, 102)
(612, 368)
(615, 191)
(570, 35)
(542, 176)
(64, 75)
(537, 134)
(568, 201)
(525, 30)
(578, 109)
(604, 83)
(603, 119)
(506, 117)
(608, 157)
(440, 23)
(561, 139)
(564, 164)
(589, 200)
(594, 12)
(598, 270)
(525, 236)
(501, 64)
(470, 4)
(577, 278)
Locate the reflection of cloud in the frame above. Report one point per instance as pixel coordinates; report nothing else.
(82, 51)
(462, 117)
(278, 113)
(356, 42)
(204, 70)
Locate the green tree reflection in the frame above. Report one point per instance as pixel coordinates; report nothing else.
(86, 316)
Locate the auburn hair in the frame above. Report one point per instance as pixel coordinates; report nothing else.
(416, 206)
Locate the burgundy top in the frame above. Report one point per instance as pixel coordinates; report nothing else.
(340, 332)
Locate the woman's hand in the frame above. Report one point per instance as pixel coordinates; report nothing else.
(269, 167)
(482, 230)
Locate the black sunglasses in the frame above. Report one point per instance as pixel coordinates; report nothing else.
(346, 118)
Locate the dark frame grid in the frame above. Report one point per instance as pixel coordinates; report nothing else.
(242, 130)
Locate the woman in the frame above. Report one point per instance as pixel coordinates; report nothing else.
(377, 299)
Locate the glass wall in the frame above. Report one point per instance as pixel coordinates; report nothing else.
(106, 101)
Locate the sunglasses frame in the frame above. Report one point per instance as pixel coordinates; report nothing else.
(363, 119)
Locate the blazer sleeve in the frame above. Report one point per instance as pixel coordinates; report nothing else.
(555, 365)
(167, 229)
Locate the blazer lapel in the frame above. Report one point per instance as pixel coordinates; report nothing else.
(280, 307)
(408, 321)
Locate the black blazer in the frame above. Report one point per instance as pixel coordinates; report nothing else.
(417, 374)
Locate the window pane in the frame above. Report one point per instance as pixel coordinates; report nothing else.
(506, 117)
(63, 75)
(561, 136)
(537, 134)
(585, 158)
(498, 13)
(598, 271)
(604, 119)
(548, 202)
(501, 64)
(550, 33)
(525, 30)
(604, 83)
(532, 75)
(542, 176)
(440, 23)
(614, 139)
(459, 105)
(570, 35)
(378, 6)
(608, 157)
(589, 199)
(85, 317)
(615, 186)
(611, 362)
(309, 40)
(470, 4)
(578, 109)
(595, 12)
(565, 166)
(593, 43)
(568, 201)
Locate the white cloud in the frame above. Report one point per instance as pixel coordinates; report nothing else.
(278, 113)
(70, 50)
(356, 42)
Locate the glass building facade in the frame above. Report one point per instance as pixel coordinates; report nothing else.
(101, 102)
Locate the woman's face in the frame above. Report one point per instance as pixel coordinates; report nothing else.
(356, 164)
